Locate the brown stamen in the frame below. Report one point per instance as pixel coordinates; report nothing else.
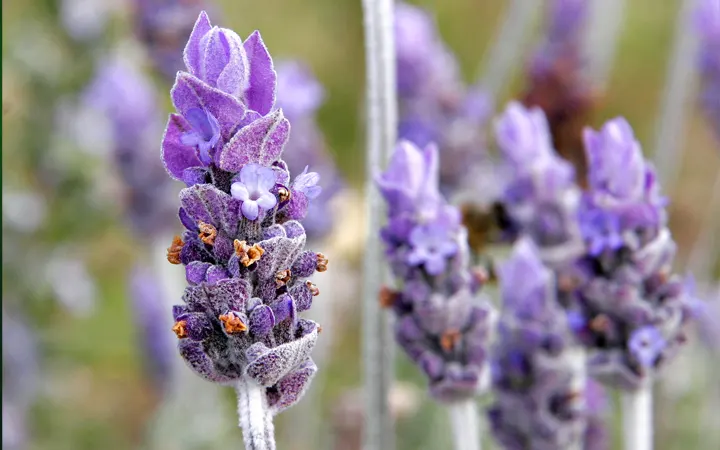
(388, 297)
(319, 328)
(284, 194)
(313, 289)
(232, 323)
(208, 233)
(282, 277)
(481, 274)
(322, 262)
(449, 339)
(173, 252)
(247, 254)
(567, 283)
(179, 329)
(600, 323)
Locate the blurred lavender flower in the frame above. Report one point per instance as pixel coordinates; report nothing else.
(243, 248)
(556, 79)
(708, 26)
(86, 19)
(20, 379)
(706, 314)
(127, 99)
(628, 308)
(299, 95)
(147, 305)
(538, 379)
(540, 196)
(442, 322)
(163, 26)
(435, 105)
(70, 281)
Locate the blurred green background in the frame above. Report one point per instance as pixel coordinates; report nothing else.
(94, 393)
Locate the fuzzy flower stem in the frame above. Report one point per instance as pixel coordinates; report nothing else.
(603, 32)
(637, 418)
(381, 136)
(255, 417)
(464, 423)
(508, 44)
(676, 98)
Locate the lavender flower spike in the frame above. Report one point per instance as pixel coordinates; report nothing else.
(435, 105)
(540, 194)
(244, 247)
(442, 321)
(708, 27)
(632, 311)
(537, 380)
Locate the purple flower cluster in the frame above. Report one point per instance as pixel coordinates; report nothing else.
(556, 80)
(708, 26)
(537, 372)
(127, 98)
(299, 95)
(540, 196)
(243, 247)
(162, 26)
(435, 105)
(627, 307)
(442, 322)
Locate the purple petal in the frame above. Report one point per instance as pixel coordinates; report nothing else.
(260, 96)
(189, 92)
(177, 156)
(250, 209)
(192, 54)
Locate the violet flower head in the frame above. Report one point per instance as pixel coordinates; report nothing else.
(540, 197)
(707, 23)
(300, 95)
(443, 322)
(536, 379)
(435, 104)
(631, 311)
(127, 99)
(565, 20)
(163, 27)
(556, 79)
(243, 248)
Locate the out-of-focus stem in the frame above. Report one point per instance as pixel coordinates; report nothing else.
(508, 44)
(605, 20)
(637, 419)
(255, 417)
(676, 96)
(465, 426)
(700, 261)
(381, 135)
